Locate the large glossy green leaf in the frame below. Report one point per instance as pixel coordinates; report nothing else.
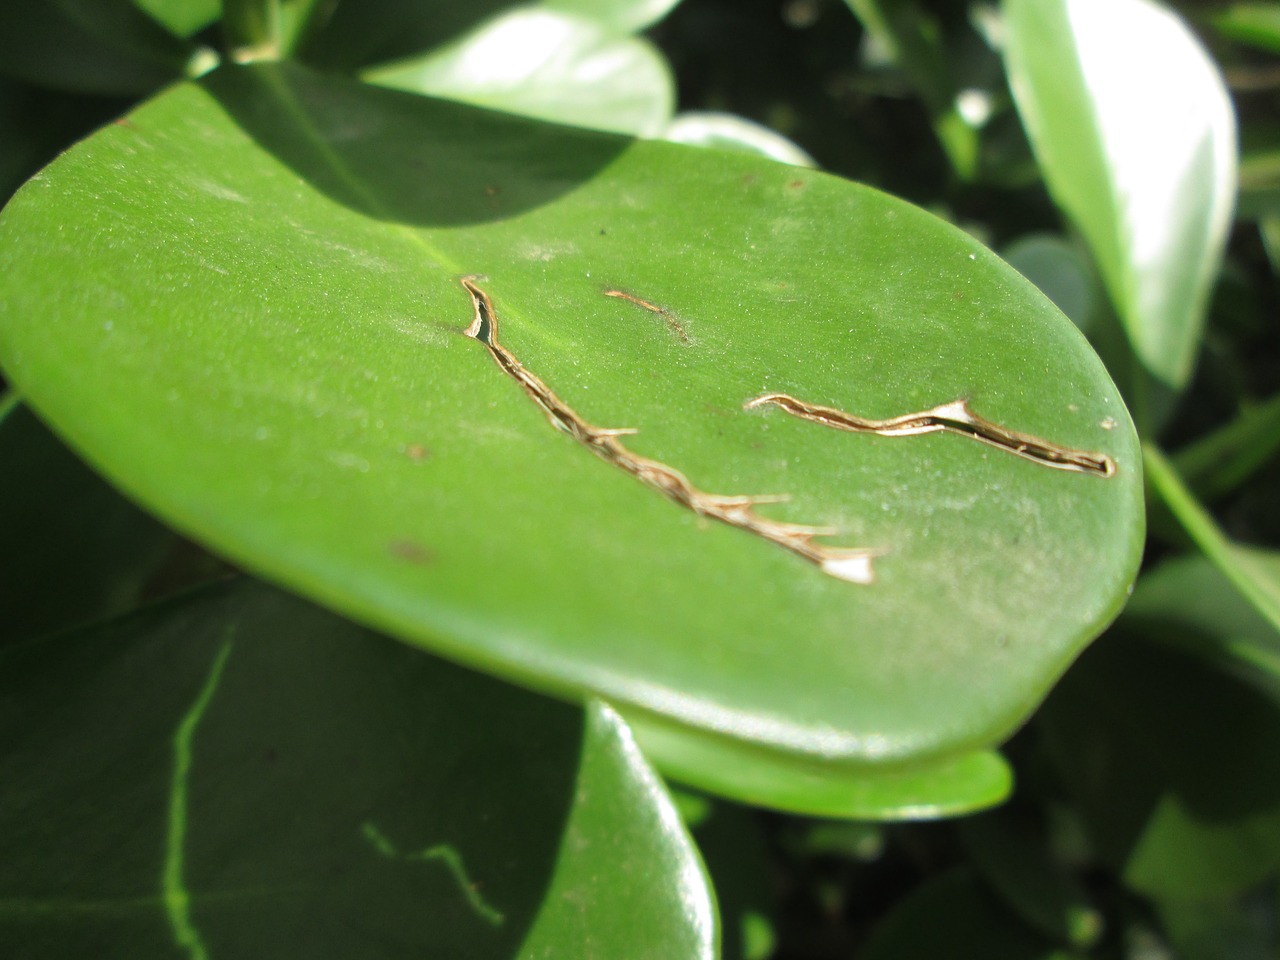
(554, 66)
(257, 328)
(240, 774)
(1142, 158)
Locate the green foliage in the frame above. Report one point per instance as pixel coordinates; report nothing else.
(683, 459)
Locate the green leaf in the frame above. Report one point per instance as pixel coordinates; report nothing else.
(105, 47)
(1143, 160)
(268, 29)
(954, 915)
(1253, 23)
(1229, 929)
(1220, 462)
(821, 787)
(1254, 572)
(1189, 601)
(1011, 852)
(74, 549)
(621, 16)
(181, 17)
(260, 335)
(912, 38)
(736, 852)
(725, 131)
(1173, 765)
(358, 33)
(241, 774)
(553, 66)
(1061, 271)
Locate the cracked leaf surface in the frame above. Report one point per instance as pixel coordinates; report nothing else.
(259, 333)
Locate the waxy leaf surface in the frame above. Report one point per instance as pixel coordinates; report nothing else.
(257, 328)
(1141, 157)
(239, 773)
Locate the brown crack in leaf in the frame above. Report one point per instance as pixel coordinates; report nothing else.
(676, 326)
(954, 417)
(846, 563)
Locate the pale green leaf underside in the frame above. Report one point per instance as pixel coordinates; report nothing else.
(259, 334)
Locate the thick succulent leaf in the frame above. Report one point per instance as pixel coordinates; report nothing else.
(554, 66)
(260, 333)
(74, 549)
(93, 46)
(1191, 816)
(241, 774)
(823, 788)
(1143, 160)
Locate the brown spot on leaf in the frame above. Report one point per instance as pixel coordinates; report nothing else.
(412, 552)
(417, 452)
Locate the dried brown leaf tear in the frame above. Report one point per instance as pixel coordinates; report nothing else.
(846, 563)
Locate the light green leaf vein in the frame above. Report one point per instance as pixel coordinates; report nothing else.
(449, 856)
(177, 900)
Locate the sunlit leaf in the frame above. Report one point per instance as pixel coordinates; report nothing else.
(618, 15)
(260, 334)
(553, 66)
(1141, 154)
(728, 132)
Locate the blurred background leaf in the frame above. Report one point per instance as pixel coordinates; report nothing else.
(243, 774)
(1143, 161)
